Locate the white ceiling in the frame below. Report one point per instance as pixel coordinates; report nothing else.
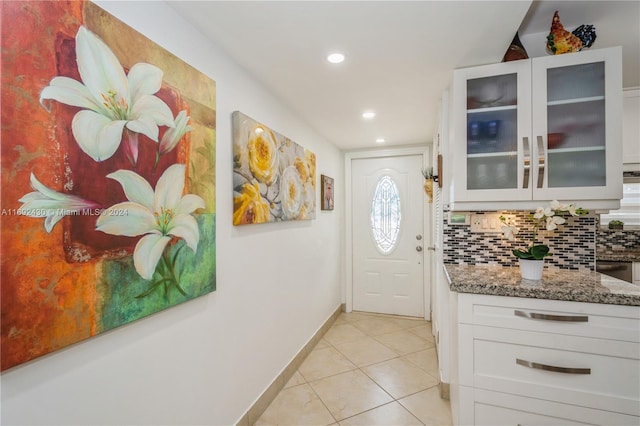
(399, 54)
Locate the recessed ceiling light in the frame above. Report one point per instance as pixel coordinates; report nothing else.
(335, 58)
(380, 140)
(368, 115)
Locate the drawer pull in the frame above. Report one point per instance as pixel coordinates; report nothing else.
(535, 315)
(546, 367)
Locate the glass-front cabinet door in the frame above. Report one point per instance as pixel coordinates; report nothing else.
(577, 105)
(491, 132)
(538, 130)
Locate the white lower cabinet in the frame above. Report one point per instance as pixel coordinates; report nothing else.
(533, 361)
(488, 408)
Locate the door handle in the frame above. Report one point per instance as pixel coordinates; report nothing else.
(527, 162)
(419, 248)
(541, 160)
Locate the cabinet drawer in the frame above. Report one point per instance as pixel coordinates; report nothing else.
(611, 322)
(597, 373)
(496, 409)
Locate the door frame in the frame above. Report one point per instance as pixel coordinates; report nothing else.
(425, 152)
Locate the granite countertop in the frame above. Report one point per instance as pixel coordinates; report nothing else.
(618, 255)
(556, 284)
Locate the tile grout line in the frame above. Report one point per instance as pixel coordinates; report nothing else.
(335, 421)
(320, 335)
(308, 383)
(357, 367)
(266, 398)
(368, 365)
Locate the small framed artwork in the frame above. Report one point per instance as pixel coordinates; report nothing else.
(327, 192)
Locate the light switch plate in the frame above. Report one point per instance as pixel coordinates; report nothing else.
(486, 222)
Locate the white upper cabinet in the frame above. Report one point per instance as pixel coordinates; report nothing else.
(530, 131)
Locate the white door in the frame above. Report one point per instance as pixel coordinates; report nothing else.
(387, 235)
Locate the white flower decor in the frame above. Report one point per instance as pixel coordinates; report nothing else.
(52, 205)
(173, 135)
(291, 193)
(159, 215)
(111, 100)
(543, 216)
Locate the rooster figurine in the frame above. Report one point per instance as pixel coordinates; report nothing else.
(561, 41)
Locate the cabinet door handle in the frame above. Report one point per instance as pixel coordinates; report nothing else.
(545, 367)
(548, 317)
(540, 162)
(527, 162)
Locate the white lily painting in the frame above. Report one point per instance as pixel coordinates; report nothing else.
(159, 215)
(115, 108)
(108, 177)
(113, 104)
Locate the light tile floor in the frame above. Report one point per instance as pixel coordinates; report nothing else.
(367, 370)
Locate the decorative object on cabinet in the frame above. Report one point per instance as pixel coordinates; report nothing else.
(547, 218)
(616, 224)
(515, 51)
(429, 178)
(274, 178)
(561, 41)
(120, 170)
(326, 190)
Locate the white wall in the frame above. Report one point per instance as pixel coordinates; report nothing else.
(206, 361)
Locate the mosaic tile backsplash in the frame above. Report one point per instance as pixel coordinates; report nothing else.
(618, 240)
(573, 245)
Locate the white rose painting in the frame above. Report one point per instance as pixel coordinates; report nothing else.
(274, 178)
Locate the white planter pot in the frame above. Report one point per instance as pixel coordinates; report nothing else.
(531, 269)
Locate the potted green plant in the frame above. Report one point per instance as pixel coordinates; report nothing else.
(616, 224)
(531, 259)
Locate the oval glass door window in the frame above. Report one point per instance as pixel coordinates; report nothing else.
(385, 215)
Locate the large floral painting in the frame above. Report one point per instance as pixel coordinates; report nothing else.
(274, 178)
(108, 177)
